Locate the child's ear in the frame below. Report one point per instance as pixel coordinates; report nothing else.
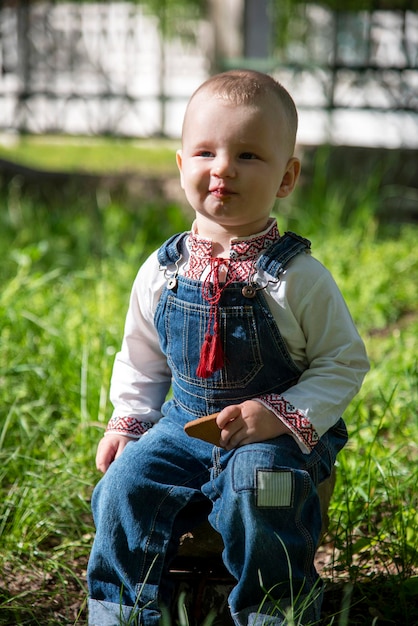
(179, 161)
(290, 178)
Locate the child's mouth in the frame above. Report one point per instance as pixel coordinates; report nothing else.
(221, 192)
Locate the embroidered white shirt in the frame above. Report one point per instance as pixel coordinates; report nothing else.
(313, 320)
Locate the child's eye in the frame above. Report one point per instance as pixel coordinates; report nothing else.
(205, 154)
(247, 155)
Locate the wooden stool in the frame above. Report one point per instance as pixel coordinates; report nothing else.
(199, 572)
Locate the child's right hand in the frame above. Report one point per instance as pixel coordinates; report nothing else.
(110, 447)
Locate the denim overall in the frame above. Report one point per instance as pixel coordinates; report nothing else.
(261, 498)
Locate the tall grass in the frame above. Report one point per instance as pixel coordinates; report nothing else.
(66, 273)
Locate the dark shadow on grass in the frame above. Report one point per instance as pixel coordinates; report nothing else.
(382, 601)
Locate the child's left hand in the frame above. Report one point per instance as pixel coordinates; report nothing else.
(249, 422)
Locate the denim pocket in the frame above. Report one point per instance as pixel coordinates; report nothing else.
(189, 322)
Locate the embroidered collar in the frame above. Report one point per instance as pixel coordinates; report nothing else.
(242, 256)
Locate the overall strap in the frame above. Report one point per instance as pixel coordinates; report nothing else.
(170, 251)
(275, 258)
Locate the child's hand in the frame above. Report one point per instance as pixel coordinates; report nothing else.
(249, 422)
(110, 447)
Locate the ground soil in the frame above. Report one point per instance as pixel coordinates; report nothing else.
(29, 596)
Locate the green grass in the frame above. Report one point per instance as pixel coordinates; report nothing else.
(91, 154)
(66, 278)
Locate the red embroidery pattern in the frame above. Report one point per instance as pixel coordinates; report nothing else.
(240, 264)
(250, 248)
(295, 419)
(200, 254)
(131, 426)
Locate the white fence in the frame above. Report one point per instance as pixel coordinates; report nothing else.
(95, 68)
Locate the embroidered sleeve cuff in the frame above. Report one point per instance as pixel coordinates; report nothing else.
(294, 419)
(128, 426)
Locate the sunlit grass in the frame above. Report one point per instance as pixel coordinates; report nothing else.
(65, 282)
(91, 154)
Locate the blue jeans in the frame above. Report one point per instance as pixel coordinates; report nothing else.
(264, 504)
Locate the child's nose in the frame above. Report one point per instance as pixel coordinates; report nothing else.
(224, 166)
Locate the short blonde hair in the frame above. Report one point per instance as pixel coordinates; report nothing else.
(250, 87)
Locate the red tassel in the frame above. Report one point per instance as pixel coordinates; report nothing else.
(211, 356)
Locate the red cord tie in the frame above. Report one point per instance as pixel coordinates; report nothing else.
(212, 356)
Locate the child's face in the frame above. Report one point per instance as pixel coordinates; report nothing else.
(235, 160)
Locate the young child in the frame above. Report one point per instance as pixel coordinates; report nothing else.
(239, 320)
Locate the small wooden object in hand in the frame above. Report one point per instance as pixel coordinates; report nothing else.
(204, 428)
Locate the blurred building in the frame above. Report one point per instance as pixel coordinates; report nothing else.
(115, 68)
